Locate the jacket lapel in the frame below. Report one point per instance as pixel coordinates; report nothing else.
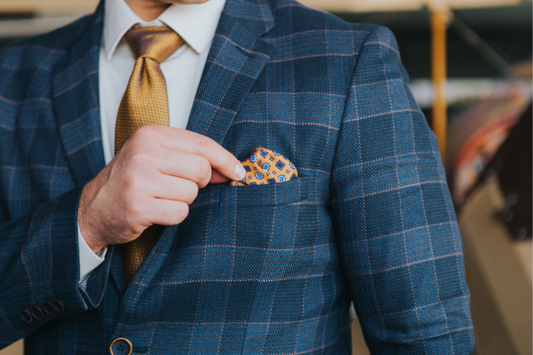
(76, 106)
(76, 101)
(235, 60)
(237, 57)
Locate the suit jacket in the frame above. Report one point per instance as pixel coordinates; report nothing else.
(267, 269)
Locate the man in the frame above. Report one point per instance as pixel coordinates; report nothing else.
(121, 232)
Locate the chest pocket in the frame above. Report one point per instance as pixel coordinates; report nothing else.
(235, 241)
(267, 216)
(278, 194)
(244, 222)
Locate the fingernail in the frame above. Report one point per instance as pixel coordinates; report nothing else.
(239, 171)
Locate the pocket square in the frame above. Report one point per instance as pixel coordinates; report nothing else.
(265, 166)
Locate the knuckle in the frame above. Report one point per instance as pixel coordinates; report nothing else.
(140, 159)
(192, 192)
(203, 167)
(182, 211)
(145, 132)
(134, 183)
(205, 143)
(137, 229)
(134, 208)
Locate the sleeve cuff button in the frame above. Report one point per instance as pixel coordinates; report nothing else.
(25, 316)
(59, 306)
(48, 308)
(36, 313)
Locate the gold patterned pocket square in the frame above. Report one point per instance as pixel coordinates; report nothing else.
(265, 166)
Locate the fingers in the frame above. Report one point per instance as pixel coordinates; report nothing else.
(185, 165)
(189, 166)
(219, 158)
(186, 141)
(217, 178)
(167, 212)
(173, 188)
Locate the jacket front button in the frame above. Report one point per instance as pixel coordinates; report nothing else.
(121, 346)
(25, 316)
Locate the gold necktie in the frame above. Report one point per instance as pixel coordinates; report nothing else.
(144, 103)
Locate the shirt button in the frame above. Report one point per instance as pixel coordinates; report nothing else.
(121, 346)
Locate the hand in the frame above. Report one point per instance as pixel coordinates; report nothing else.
(152, 180)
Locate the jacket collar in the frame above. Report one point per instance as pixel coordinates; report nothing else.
(75, 100)
(196, 24)
(256, 15)
(238, 55)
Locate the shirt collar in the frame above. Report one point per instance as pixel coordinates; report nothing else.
(196, 24)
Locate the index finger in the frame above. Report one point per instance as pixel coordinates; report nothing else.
(219, 158)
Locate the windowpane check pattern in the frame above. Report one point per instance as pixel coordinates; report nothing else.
(255, 269)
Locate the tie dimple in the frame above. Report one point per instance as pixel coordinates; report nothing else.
(157, 43)
(145, 102)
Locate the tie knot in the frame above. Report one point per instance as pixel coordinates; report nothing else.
(157, 43)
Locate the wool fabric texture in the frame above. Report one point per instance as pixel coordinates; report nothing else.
(256, 269)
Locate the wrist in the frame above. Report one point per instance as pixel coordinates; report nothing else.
(93, 243)
(84, 229)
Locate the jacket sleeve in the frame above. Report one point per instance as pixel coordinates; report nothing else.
(39, 264)
(394, 222)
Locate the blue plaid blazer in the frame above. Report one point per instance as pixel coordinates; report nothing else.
(267, 269)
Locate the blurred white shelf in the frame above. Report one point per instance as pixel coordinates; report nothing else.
(464, 90)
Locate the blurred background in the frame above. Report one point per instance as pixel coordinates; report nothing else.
(470, 63)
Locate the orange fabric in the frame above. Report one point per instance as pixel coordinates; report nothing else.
(265, 166)
(145, 102)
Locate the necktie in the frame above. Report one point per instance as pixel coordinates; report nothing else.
(145, 102)
(265, 166)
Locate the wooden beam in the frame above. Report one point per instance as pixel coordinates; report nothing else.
(439, 25)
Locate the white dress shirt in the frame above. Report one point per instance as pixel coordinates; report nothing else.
(196, 24)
